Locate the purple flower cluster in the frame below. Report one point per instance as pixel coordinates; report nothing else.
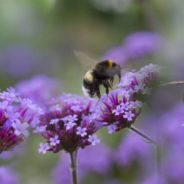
(118, 111)
(16, 116)
(135, 46)
(8, 176)
(139, 82)
(120, 108)
(68, 124)
(39, 89)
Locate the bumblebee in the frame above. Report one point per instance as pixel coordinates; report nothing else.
(102, 74)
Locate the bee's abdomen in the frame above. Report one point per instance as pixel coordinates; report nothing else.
(88, 84)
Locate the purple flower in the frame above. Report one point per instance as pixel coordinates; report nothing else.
(154, 179)
(114, 182)
(117, 54)
(93, 140)
(111, 115)
(17, 151)
(67, 128)
(21, 60)
(61, 173)
(122, 106)
(139, 44)
(139, 82)
(96, 164)
(133, 148)
(171, 137)
(81, 131)
(135, 46)
(16, 116)
(128, 115)
(39, 89)
(43, 148)
(112, 128)
(99, 164)
(173, 165)
(8, 176)
(54, 140)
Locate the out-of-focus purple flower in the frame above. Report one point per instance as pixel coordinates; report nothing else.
(114, 182)
(117, 54)
(8, 176)
(170, 138)
(21, 60)
(66, 127)
(16, 115)
(173, 166)
(139, 44)
(17, 151)
(135, 46)
(132, 149)
(139, 82)
(154, 179)
(97, 164)
(120, 108)
(61, 173)
(172, 129)
(39, 89)
(171, 135)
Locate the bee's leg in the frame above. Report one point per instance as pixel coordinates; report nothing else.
(110, 82)
(106, 84)
(97, 89)
(119, 76)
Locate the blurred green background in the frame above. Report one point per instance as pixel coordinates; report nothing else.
(40, 36)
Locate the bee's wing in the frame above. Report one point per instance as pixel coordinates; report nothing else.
(86, 62)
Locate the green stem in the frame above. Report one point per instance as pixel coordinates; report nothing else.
(134, 129)
(73, 166)
(172, 83)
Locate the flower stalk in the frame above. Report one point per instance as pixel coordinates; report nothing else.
(73, 166)
(136, 130)
(172, 83)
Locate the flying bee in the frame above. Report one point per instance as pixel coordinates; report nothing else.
(102, 73)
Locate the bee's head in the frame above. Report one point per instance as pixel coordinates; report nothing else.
(115, 68)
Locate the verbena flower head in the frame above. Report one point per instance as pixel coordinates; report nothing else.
(140, 81)
(118, 111)
(16, 116)
(39, 89)
(8, 176)
(120, 108)
(68, 124)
